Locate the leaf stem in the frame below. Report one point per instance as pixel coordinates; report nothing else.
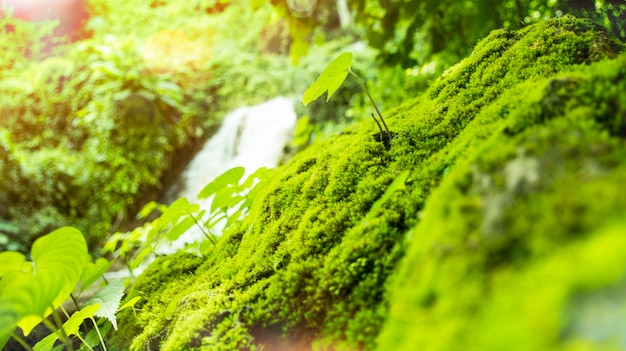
(358, 79)
(85, 343)
(21, 341)
(378, 124)
(62, 335)
(99, 335)
(75, 304)
(201, 229)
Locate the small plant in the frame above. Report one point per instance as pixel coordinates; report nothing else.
(331, 79)
(230, 201)
(30, 291)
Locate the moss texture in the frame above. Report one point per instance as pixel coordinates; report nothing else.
(506, 230)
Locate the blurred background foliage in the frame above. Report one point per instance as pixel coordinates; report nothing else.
(94, 125)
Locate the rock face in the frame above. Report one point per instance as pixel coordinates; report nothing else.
(503, 230)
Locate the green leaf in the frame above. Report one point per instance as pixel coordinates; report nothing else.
(63, 255)
(109, 300)
(130, 303)
(11, 262)
(225, 198)
(70, 327)
(330, 80)
(26, 297)
(4, 340)
(179, 208)
(230, 177)
(94, 271)
(259, 174)
(180, 228)
(138, 260)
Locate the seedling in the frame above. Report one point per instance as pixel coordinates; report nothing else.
(331, 79)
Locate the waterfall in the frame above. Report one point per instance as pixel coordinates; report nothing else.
(251, 137)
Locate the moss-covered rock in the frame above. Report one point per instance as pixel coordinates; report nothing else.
(509, 172)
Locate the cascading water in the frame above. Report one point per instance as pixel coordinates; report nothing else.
(251, 137)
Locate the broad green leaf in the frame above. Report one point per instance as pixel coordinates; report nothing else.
(230, 177)
(330, 80)
(397, 184)
(76, 320)
(94, 271)
(180, 228)
(3, 341)
(70, 327)
(109, 300)
(176, 210)
(11, 261)
(62, 254)
(26, 297)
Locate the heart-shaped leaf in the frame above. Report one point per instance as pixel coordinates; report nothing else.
(330, 80)
(27, 297)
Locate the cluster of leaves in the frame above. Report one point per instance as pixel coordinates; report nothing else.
(31, 291)
(89, 122)
(230, 199)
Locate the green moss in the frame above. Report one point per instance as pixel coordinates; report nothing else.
(493, 151)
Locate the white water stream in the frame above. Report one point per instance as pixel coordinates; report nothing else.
(251, 137)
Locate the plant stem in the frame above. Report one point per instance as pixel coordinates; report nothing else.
(67, 315)
(358, 79)
(62, 335)
(21, 342)
(378, 124)
(85, 342)
(99, 335)
(75, 304)
(201, 229)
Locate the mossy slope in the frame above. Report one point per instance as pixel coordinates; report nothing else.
(493, 152)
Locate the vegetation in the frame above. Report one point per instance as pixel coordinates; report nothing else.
(503, 171)
(312, 264)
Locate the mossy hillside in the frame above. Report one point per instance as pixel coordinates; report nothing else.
(310, 264)
(524, 237)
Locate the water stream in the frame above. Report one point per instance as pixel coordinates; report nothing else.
(251, 137)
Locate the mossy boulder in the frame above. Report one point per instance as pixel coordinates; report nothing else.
(493, 221)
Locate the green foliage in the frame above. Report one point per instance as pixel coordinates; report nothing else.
(90, 122)
(19, 40)
(230, 201)
(70, 327)
(312, 262)
(330, 79)
(30, 291)
(108, 299)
